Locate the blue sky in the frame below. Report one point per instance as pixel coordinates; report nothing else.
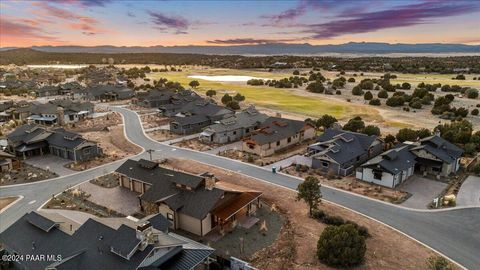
(156, 22)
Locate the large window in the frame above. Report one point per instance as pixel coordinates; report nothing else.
(325, 164)
(377, 174)
(170, 216)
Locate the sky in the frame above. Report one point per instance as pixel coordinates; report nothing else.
(25, 23)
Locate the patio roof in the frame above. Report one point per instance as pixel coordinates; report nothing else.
(236, 205)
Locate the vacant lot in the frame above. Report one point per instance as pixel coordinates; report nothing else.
(295, 248)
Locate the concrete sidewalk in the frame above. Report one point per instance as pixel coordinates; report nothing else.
(469, 193)
(51, 163)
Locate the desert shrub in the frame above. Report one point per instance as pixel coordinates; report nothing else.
(357, 91)
(375, 102)
(472, 93)
(383, 94)
(438, 263)
(341, 246)
(333, 220)
(474, 112)
(368, 95)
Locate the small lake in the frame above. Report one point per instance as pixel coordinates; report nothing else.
(58, 66)
(225, 78)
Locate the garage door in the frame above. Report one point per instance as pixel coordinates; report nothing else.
(125, 182)
(137, 186)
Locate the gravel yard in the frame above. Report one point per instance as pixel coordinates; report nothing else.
(25, 174)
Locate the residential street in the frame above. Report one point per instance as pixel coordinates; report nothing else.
(452, 232)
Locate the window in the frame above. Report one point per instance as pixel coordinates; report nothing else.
(436, 169)
(325, 164)
(235, 133)
(86, 151)
(170, 216)
(289, 140)
(278, 143)
(377, 174)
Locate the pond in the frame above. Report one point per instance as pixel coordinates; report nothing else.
(57, 66)
(225, 78)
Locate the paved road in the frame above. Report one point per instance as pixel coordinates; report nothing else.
(454, 233)
(469, 193)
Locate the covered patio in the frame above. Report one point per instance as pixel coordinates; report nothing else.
(226, 218)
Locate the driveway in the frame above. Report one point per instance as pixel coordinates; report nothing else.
(423, 191)
(51, 163)
(469, 193)
(297, 159)
(119, 199)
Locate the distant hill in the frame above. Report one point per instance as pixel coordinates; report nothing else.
(274, 49)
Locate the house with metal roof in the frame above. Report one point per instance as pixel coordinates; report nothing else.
(390, 168)
(194, 203)
(96, 244)
(340, 152)
(437, 156)
(276, 134)
(31, 140)
(233, 128)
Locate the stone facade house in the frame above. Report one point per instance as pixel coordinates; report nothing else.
(233, 128)
(194, 203)
(339, 151)
(276, 134)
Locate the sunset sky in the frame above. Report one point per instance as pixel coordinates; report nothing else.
(157, 22)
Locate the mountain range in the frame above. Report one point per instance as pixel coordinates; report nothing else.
(273, 49)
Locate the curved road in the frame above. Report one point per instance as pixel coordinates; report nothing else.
(454, 233)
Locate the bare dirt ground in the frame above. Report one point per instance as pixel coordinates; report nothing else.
(297, 149)
(162, 135)
(25, 174)
(350, 183)
(296, 246)
(114, 145)
(97, 124)
(153, 120)
(6, 201)
(196, 144)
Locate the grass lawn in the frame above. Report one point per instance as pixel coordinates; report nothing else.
(269, 97)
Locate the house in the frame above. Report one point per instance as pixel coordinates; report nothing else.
(7, 161)
(276, 134)
(65, 244)
(339, 151)
(47, 91)
(234, 128)
(390, 168)
(109, 92)
(31, 140)
(59, 112)
(437, 156)
(178, 101)
(154, 98)
(196, 115)
(194, 203)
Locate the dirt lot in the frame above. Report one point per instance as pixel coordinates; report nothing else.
(113, 143)
(97, 124)
(350, 183)
(295, 248)
(153, 120)
(196, 144)
(298, 149)
(162, 135)
(25, 174)
(5, 201)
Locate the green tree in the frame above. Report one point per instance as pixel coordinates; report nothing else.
(371, 130)
(226, 99)
(355, 124)
(390, 139)
(375, 102)
(326, 121)
(406, 134)
(309, 191)
(341, 246)
(211, 93)
(368, 95)
(383, 94)
(194, 84)
(233, 105)
(316, 87)
(239, 98)
(472, 93)
(296, 72)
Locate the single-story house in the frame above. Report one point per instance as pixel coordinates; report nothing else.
(154, 98)
(188, 124)
(30, 140)
(390, 168)
(437, 156)
(234, 128)
(340, 152)
(66, 244)
(59, 112)
(194, 203)
(276, 134)
(109, 92)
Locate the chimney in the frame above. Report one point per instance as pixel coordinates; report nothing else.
(209, 180)
(145, 235)
(60, 115)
